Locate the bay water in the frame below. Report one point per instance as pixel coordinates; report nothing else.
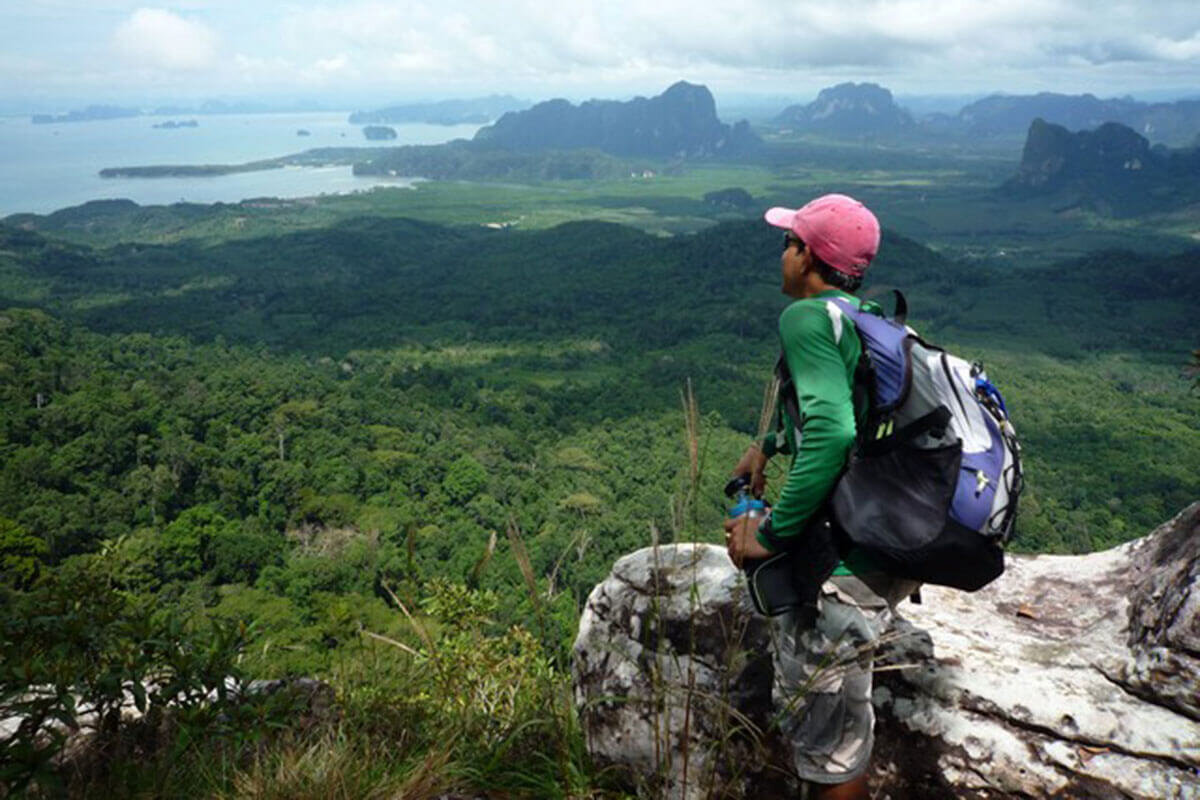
(47, 167)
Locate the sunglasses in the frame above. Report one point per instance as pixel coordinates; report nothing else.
(792, 240)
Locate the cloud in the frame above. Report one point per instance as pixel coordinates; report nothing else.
(530, 38)
(332, 66)
(158, 39)
(595, 46)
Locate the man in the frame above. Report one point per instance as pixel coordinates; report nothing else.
(822, 669)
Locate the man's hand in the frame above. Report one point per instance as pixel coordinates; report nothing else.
(740, 540)
(752, 463)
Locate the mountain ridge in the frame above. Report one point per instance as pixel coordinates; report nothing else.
(681, 122)
(870, 110)
(998, 115)
(856, 109)
(1111, 169)
(443, 112)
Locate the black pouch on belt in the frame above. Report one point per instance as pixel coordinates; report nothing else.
(791, 579)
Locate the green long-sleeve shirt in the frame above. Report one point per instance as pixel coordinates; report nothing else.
(822, 349)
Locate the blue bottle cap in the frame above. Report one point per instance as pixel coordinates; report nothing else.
(746, 506)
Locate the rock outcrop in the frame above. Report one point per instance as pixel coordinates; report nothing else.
(1070, 676)
(1054, 157)
(1112, 170)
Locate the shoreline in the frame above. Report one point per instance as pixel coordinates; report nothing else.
(317, 157)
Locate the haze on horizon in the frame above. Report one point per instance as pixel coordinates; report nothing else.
(60, 53)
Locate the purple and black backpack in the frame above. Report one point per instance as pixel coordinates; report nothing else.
(931, 489)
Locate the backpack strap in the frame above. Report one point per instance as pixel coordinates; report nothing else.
(789, 400)
(864, 374)
(901, 314)
(863, 388)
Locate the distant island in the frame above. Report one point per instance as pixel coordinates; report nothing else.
(103, 112)
(89, 114)
(379, 132)
(303, 132)
(477, 111)
(173, 124)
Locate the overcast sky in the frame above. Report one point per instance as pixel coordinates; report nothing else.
(55, 51)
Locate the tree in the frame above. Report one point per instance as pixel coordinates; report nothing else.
(464, 479)
(21, 554)
(187, 543)
(287, 416)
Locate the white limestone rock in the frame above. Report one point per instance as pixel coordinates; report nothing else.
(673, 676)
(1070, 676)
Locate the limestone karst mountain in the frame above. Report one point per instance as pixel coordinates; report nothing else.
(680, 122)
(1070, 676)
(1112, 169)
(1007, 115)
(850, 109)
(867, 110)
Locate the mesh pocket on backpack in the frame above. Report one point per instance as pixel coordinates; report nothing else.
(898, 500)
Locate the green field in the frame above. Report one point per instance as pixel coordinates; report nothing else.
(946, 200)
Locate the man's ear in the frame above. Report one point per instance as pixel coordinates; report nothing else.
(806, 262)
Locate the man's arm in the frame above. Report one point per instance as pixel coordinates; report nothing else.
(827, 426)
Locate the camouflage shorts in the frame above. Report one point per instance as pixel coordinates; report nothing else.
(822, 689)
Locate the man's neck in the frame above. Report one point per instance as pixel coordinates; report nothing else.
(815, 286)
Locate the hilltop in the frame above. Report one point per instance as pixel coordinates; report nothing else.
(1112, 170)
(679, 123)
(850, 109)
(868, 110)
(999, 115)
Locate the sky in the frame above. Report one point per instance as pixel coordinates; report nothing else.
(56, 54)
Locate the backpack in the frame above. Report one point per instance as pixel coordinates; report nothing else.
(931, 488)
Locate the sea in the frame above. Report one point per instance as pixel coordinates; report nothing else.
(47, 167)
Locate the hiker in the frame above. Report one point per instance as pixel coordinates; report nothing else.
(823, 660)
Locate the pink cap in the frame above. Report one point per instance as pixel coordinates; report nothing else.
(839, 229)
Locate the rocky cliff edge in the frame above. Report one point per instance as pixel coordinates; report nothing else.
(1070, 676)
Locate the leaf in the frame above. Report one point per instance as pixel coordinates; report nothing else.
(139, 696)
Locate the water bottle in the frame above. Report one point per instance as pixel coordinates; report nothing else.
(744, 503)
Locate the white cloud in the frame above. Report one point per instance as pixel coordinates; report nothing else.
(159, 39)
(337, 65)
(1167, 49)
(603, 38)
(611, 47)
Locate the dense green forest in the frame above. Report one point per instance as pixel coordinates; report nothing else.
(369, 449)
